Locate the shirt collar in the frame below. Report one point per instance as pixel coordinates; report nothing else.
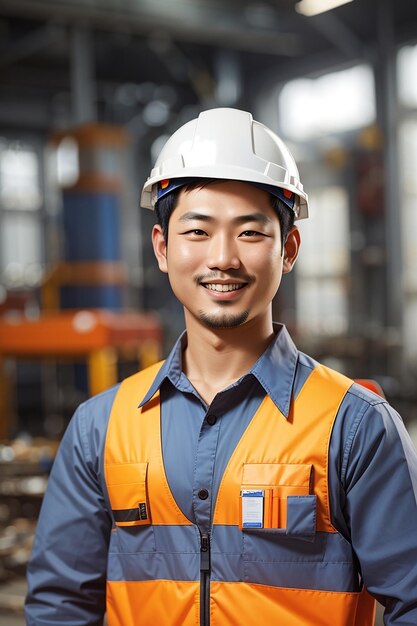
(275, 369)
(171, 369)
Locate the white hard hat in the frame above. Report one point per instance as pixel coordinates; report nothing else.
(227, 144)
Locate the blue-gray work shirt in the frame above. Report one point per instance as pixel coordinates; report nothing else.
(372, 484)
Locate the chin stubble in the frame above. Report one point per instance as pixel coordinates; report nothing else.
(224, 320)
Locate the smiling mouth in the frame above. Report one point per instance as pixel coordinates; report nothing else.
(224, 288)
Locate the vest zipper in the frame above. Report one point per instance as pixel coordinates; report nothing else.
(205, 580)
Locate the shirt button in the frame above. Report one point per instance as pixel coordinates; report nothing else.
(211, 419)
(203, 494)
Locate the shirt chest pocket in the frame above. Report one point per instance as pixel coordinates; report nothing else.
(277, 497)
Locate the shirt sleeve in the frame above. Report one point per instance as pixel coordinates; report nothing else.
(67, 570)
(379, 475)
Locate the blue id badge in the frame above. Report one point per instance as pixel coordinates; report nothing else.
(252, 508)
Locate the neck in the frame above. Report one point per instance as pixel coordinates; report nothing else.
(214, 359)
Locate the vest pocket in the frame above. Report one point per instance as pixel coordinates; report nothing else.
(288, 532)
(127, 489)
(301, 516)
(276, 496)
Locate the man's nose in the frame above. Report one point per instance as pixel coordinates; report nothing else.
(223, 253)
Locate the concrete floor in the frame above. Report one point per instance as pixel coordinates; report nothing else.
(7, 619)
(12, 595)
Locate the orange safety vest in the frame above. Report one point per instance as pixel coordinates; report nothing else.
(285, 459)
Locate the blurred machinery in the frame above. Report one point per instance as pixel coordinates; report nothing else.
(92, 274)
(82, 325)
(81, 315)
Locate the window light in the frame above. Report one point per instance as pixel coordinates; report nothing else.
(19, 179)
(314, 7)
(407, 68)
(335, 102)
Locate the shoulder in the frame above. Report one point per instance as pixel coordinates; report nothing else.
(87, 429)
(95, 412)
(92, 417)
(361, 411)
(356, 394)
(363, 407)
(97, 409)
(367, 427)
(141, 380)
(100, 402)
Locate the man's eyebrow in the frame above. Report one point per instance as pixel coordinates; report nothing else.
(192, 215)
(253, 217)
(240, 219)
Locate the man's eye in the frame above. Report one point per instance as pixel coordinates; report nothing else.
(251, 233)
(196, 231)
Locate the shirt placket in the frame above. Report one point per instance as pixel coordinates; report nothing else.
(204, 468)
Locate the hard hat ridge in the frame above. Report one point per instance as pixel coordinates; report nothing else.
(227, 144)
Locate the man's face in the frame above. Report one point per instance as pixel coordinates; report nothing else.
(224, 259)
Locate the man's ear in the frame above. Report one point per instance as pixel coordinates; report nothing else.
(160, 247)
(291, 247)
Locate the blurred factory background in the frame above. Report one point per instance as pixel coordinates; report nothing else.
(89, 91)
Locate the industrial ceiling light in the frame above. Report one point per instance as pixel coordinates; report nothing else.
(314, 7)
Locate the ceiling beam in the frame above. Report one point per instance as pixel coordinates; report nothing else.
(337, 33)
(203, 23)
(28, 45)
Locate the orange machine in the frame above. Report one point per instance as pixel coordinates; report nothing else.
(100, 337)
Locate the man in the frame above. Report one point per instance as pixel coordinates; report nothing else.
(239, 482)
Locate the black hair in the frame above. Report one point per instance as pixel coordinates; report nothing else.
(165, 206)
